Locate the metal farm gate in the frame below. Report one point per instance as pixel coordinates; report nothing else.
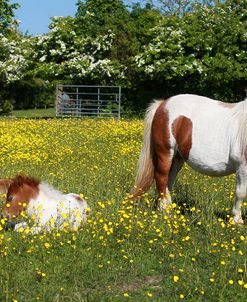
(89, 101)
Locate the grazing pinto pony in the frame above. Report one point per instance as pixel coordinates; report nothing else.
(211, 136)
(50, 207)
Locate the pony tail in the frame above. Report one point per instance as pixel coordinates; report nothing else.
(145, 167)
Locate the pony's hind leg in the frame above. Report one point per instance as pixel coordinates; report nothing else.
(240, 194)
(163, 164)
(162, 153)
(165, 174)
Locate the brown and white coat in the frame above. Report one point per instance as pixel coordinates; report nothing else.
(209, 135)
(50, 207)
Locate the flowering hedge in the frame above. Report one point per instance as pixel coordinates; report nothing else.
(14, 57)
(208, 48)
(203, 51)
(62, 54)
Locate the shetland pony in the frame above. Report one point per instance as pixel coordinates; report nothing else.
(211, 136)
(50, 207)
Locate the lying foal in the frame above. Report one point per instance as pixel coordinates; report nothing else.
(48, 207)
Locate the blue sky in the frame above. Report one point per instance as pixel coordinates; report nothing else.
(35, 14)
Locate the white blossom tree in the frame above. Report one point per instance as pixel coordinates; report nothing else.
(64, 54)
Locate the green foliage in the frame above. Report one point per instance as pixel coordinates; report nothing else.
(144, 19)
(181, 7)
(176, 7)
(151, 51)
(203, 52)
(6, 14)
(97, 18)
(6, 107)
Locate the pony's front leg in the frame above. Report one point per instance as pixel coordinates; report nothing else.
(19, 227)
(240, 194)
(22, 226)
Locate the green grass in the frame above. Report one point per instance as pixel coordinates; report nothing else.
(126, 251)
(34, 113)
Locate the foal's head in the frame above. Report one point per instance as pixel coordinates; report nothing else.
(19, 191)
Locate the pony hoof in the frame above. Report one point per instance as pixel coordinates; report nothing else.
(167, 211)
(19, 226)
(238, 220)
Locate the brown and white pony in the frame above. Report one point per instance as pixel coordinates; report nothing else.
(211, 136)
(50, 207)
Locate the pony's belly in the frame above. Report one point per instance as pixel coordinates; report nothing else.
(211, 168)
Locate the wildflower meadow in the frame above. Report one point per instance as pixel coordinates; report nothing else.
(127, 251)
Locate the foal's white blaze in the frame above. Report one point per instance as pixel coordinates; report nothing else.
(209, 135)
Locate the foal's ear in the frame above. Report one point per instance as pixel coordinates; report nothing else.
(4, 185)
